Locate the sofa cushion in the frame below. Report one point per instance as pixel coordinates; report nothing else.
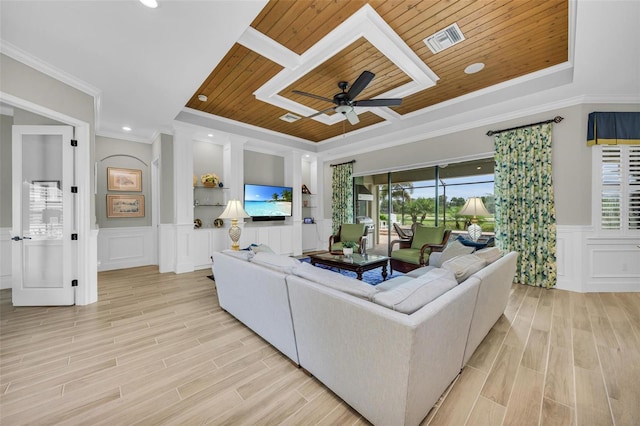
(393, 282)
(453, 249)
(427, 235)
(413, 295)
(464, 266)
(489, 254)
(419, 272)
(335, 280)
(276, 262)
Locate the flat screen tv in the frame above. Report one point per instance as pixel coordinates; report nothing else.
(267, 202)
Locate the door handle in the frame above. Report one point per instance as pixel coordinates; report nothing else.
(20, 238)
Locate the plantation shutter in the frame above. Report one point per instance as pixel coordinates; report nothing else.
(634, 187)
(620, 188)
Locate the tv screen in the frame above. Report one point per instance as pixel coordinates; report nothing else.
(267, 202)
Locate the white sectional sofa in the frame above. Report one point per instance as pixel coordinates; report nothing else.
(389, 366)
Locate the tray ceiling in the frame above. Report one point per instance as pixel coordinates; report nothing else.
(312, 45)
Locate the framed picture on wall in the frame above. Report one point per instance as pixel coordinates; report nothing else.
(124, 179)
(125, 205)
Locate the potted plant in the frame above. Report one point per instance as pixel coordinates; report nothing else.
(210, 180)
(347, 248)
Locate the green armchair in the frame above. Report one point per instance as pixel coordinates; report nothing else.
(356, 232)
(414, 253)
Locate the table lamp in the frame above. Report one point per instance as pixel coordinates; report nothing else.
(234, 211)
(474, 207)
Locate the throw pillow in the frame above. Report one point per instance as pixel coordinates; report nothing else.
(410, 296)
(464, 266)
(276, 262)
(335, 281)
(473, 244)
(490, 254)
(453, 249)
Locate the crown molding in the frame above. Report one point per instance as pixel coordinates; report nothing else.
(26, 58)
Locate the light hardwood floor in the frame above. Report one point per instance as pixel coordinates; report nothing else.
(157, 349)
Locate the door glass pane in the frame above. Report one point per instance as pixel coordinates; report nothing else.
(42, 212)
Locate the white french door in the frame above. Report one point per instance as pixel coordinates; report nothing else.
(44, 215)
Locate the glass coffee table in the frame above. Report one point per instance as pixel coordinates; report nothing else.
(357, 263)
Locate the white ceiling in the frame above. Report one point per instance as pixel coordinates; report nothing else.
(129, 55)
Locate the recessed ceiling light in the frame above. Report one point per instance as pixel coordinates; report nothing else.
(202, 98)
(474, 68)
(479, 168)
(150, 3)
(210, 135)
(126, 128)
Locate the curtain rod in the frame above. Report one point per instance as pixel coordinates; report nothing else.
(340, 164)
(556, 119)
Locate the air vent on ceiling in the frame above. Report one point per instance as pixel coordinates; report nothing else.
(289, 118)
(444, 38)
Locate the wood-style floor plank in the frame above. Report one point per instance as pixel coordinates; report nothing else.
(157, 349)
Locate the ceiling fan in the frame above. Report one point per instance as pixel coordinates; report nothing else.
(345, 101)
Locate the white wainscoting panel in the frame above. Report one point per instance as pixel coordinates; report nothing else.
(613, 264)
(205, 242)
(166, 248)
(569, 257)
(5, 258)
(278, 237)
(120, 248)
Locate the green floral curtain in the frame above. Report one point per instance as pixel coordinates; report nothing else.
(342, 197)
(525, 212)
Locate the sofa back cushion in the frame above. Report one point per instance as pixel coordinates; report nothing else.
(464, 266)
(335, 280)
(490, 254)
(427, 235)
(276, 262)
(410, 296)
(453, 249)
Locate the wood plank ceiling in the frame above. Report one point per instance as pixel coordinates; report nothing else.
(511, 37)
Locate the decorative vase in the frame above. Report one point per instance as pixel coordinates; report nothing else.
(347, 251)
(209, 184)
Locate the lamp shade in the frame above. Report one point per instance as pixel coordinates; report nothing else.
(233, 210)
(474, 207)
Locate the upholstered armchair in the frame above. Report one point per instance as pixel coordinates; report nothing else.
(414, 253)
(356, 232)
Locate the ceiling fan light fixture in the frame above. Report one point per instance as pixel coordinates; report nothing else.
(152, 4)
(343, 109)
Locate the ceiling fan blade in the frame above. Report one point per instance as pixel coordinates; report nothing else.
(352, 116)
(311, 95)
(360, 83)
(377, 102)
(320, 112)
